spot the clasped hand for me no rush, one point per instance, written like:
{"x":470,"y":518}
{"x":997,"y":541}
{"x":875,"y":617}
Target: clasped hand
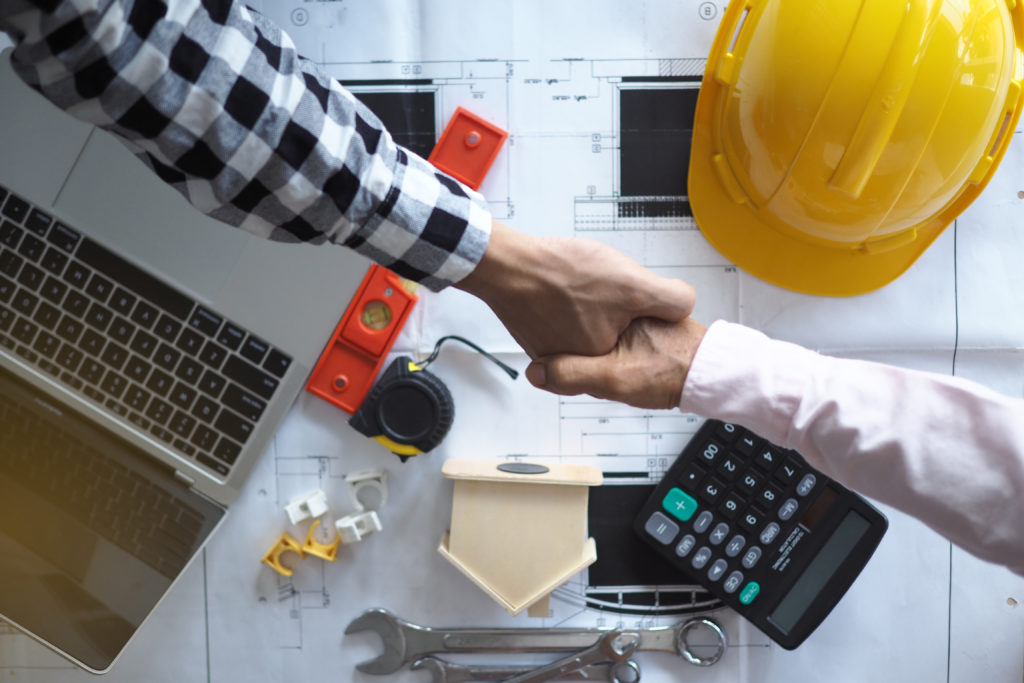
{"x":592,"y":319}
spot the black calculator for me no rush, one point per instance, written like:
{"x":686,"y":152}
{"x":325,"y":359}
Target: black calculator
{"x":760,"y":529}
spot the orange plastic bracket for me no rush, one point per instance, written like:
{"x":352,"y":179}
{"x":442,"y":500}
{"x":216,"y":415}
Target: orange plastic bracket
{"x":467,"y":147}
{"x":360,"y":343}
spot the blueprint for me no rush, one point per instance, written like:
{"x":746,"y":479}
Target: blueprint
{"x":579,"y":85}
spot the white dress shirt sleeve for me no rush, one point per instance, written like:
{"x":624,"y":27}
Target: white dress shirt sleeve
{"x":945,"y":450}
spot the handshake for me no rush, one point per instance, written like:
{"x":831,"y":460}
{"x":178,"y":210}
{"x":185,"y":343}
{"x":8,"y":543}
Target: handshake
{"x":593,"y":320}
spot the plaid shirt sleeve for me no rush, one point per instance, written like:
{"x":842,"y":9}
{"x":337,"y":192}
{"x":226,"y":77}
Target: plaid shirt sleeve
{"x":216,"y":100}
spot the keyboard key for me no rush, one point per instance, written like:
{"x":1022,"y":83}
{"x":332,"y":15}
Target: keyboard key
{"x":115,"y":407}
{"x":144,"y":315}
{"x":7,"y":288}
{"x":751,"y":557}
{"x":767,"y":459}
{"x":46,"y":344}
{"x":63,"y":237}
{"x":254,"y":349}
{"x":121,"y":330}
{"x":99,"y":287}
{"x":677,"y":503}
{"x":115,"y":355}
{"x":277,"y":363}
{"x":752,"y":520}
{"x":143,"y":343}
{"x":182,"y":424}
{"x":27,"y":353}
{"x":231,"y":336}
{"x":703,"y":521}
{"x":735,"y":545}
{"x":204,"y":438}
{"x":137,"y":369}
{"x":47,"y":315}
{"x":190,"y":342}
{"x":16,"y":208}
{"x":249,"y":406}
{"x":205,"y":321}
{"x":212,"y":383}
{"x":182,"y":396}
{"x":167,"y":328}
{"x":252,"y":378}
{"x":99,"y":316}
{"x":159,"y":411}
{"x":70,"y":328}
{"x":185,"y":447}
{"x":10,"y":234}
{"x":91,"y":371}
{"x":159,"y":382}
{"x":76,"y":303}
{"x":114,"y":384}
{"x":77,"y":275}
{"x":787,"y":472}
{"x":166,"y":357}
{"x":10,"y":263}
{"x":717,"y":570}
{"x":32,"y":248}
{"x":136,"y":398}
{"x":205,"y":409}
{"x":711,"y":490}
{"x":218,"y":467}
{"x":69,"y":357}
{"x":189,"y":370}
{"x":25,"y":302}
{"x":71,"y":381}
{"x":54,"y":261}
{"x":122,"y":301}
{"x":38,"y":222}
{"x":53,"y":290}
{"x":234,"y":426}
{"x":31,"y":277}
{"x":213,"y":354}
{"x":161,"y":433}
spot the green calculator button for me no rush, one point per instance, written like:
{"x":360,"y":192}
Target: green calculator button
{"x":679,"y":505}
{"x":749,"y":592}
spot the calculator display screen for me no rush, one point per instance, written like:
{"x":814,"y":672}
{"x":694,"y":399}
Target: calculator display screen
{"x":825,"y":564}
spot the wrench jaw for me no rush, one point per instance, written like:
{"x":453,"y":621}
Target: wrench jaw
{"x":433,"y":667}
{"x":386,"y":625}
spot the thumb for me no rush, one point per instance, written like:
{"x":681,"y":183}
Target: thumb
{"x":669,"y":299}
{"x":570,"y":375}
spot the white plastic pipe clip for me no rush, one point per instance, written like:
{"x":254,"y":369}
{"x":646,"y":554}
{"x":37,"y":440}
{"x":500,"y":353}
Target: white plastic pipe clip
{"x":310,"y":505}
{"x":356,"y":526}
{"x":376,"y":479}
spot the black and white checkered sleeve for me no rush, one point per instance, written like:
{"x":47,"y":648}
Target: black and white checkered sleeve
{"x":215,"y":98}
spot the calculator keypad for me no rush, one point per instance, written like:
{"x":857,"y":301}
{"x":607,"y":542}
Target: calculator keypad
{"x":727,"y":506}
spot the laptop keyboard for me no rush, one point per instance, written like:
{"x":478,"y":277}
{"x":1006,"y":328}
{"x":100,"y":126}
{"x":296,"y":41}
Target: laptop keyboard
{"x":114,"y":501}
{"x":139,"y":348}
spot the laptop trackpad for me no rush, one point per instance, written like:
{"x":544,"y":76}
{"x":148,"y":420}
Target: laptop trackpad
{"x":123,"y":203}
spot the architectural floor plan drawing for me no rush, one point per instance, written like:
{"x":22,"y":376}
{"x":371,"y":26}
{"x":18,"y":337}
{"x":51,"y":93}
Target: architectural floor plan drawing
{"x":598,"y":98}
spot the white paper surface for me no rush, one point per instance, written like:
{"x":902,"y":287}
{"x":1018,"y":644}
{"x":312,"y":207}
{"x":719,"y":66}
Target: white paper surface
{"x":551,"y":73}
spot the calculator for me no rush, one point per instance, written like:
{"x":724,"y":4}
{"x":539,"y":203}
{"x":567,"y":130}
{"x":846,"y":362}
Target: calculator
{"x":753,"y":523}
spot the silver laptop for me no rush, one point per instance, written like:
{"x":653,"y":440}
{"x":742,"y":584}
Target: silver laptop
{"x":147,"y":355}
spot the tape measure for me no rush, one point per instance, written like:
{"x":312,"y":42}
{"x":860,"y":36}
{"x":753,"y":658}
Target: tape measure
{"x":409,"y":410}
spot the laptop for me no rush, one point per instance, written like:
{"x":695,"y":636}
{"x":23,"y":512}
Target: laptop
{"x":147,"y":355}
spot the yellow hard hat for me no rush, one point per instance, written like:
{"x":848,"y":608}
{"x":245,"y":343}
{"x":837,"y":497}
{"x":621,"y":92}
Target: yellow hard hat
{"x":835,"y":139}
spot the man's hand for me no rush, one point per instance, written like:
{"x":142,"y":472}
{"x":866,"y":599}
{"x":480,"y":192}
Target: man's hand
{"x":568,"y":295}
{"x":646,"y":369}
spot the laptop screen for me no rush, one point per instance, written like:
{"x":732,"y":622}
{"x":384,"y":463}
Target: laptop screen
{"x":92,"y":531}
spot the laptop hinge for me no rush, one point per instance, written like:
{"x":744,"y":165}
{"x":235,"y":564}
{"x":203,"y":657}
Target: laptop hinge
{"x":184,"y":478}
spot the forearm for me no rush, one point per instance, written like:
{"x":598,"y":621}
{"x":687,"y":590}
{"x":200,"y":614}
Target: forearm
{"x":227,"y":112}
{"x":946,"y":451}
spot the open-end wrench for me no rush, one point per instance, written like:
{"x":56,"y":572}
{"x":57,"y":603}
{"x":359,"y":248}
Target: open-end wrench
{"x":404,"y":641}
{"x":443,"y":671}
{"x":614,"y":646}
